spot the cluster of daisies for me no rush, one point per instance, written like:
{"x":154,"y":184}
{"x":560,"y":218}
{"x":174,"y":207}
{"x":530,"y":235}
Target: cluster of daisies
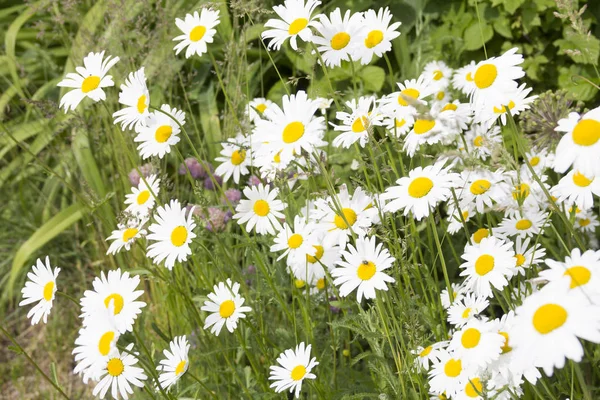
{"x":456,"y":115}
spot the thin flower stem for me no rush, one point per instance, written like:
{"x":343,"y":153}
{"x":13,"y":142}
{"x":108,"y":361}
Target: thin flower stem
{"x":63,"y":294}
{"x":442,"y":259}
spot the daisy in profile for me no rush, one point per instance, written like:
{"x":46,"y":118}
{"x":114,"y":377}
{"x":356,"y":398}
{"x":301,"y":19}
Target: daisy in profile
{"x":377,"y":37}
{"x":235,"y":160}
{"x":422,"y":190}
{"x":587,"y":221}
{"x":550,"y":323}
{"x":126,"y":234}
{"x":257,"y":107}
{"x":136,"y":97}
{"x":296,"y":20}
{"x":172,"y":234}
{"x":295,"y":365}
{"x":488,"y":265}
{"x":119,"y":373}
{"x":526,"y":255}
{"x":362,"y":268}
{"x":462,"y":79}
{"x":88,"y":81}
{"x":160,"y":132}
{"x":448,"y":375}
{"x":175,"y":363}
{"x":339,"y":37}
{"x":141,"y":200}
{"x":458,"y":292}
{"x":481,"y":141}
{"x":40,"y":288}
{"x":225,"y":306}
{"x":261,"y":210}
{"x":354,"y":214}
{"x":481,"y":187}
{"x":438,"y":73}
{"x":115,"y":291}
{"x":465,"y":308}
{"x":580,"y":144}
{"x":577,"y":188}
{"x":526,"y":224}
{"x":582,"y":270}
{"x":356,"y":124}
{"x":298,"y":242}
{"x":477,"y":343}
{"x":496,"y":76}
{"x":514,"y":101}
{"x":198,"y":30}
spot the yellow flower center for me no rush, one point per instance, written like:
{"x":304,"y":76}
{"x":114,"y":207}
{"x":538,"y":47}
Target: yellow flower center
{"x":535,"y":160}
{"x":295,"y":241}
{"x":581,"y":180}
{"x":298,"y":372}
{"x":340,"y":40}
{"x":520,"y":259}
{"x":399,"y":123}
{"x":469,"y":77}
{"x":478,"y":141}
{"x":505,"y":108}
{"x":163,"y":133}
{"x":104,"y":343}
{"x":480,"y":234}
{"x":411,"y":93}
{"x":523,"y":224}
{"x":549,"y":317}
{"x":425,"y":351}
{"x":484,"y":264}
{"x":579,"y":275}
{"x":180,"y":367}
{"x":297,"y":25}
{"x":349,"y":216}
{"x":420,"y":187}
{"x":437,"y":75}
{"x":261,"y":208}
{"x":261,"y":108}
{"x":143,"y":197}
{"x":141,"y":104}
{"x":505,"y":347}
{"x":197,"y":33}
{"x":129,"y":234}
{"x":90,"y":83}
{"x":440,"y":95}
{"x":292,"y":132}
{"x":226,"y":308}
{"x":584,"y":222}
{"x":299,"y":283}
{"x":474,"y":388}
{"x":360,"y":124}
{"x":470,"y":338}
{"x":480,"y":186}
{"x":366,"y":270}
{"x":277,"y":157}
{"x":466,"y":313}
{"x":238,"y":157}
{"x":521,"y":191}
{"x":318,"y":254}
{"x":321,"y":284}
{"x":117,"y":300}
{"x":115,"y":367}
{"x":423,"y":126}
{"x":450,"y":106}
{"x":453,"y":368}
{"x":48,"y":290}
{"x":179,"y":236}
{"x":586,"y":132}
{"x":373,"y":38}
{"x":485,"y":76}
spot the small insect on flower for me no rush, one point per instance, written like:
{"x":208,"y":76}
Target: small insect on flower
{"x":172,"y":233}
{"x":377,"y":38}
{"x":142,"y":198}
{"x":119,"y":373}
{"x":262,"y":210}
{"x":126,"y":235}
{"x":115,"y":291}
{"x":295,"y":366}
{"x":226,"y":307}
{"x":40,"y":287}
{"x":296,"y":20}
{"x":362,"y":267}
{"x":339,"y":37}
{"x":160,"y":131}
{"x":88,"y":81}
{"x":135,"y":95}
{"x":197,"y":32}
{"x":176,"y":362}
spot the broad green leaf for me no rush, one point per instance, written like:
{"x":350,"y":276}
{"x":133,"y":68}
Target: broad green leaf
{"x":578,"y":88}
{"x":476,"y":35}
{"x":582,"y":49}
{"x":373,"y":78}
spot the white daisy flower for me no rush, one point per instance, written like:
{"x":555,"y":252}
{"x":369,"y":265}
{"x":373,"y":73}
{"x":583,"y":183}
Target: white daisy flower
{"x":175,"y":363}
{"x":88,"y":81}
{"x":377,"y":36}
{"x":426,"y":356}
{"x":426,"y":130}
{"x":141,"y":200}
{"x":295,"y":366}
{"x":41,"y":288}
{"x":549,"y":325}
{"x":479,"y":235}
{"x":312,"y":269}
{"x":481,"y":187}
{"x":523,"y":193}
{"x":456,"y":216}
{"x":356,"y":124}
{"x":226,"y":307}
{"x":197,"y":32}
{"x":488,"y":265}
{"x":117,"y":292}
{"x":587,"y":221}
{"x":236,"y":159}
{"x":448,"y":375}
{"x":257,"y":107}
{"x":515,"y":101}
{"x":465,"y":308}
{"x":126,"y":235}
{"x":160,"y":131}
{"x":539,"y":159}
{"x":362,"y":267}
{"x":399,"y":121}
{"x":473,"y":389}
{"x":581,"y":269}
{"x":172,"y":233}
{"x":481,"y":141}
{"x":529,"y":223}
{"x":439,"y":74}
{"x":422,"y":190}
{"x":477,"y":343}
{"x":463,"y":78}
{"x":527,"y":256}
{"x":455,"y":116}
{"x":339,"y":37}
{"x":261,"y":209}
{"x":118,"y":374}
{"x":136,"y":97}
{"x":412,"y":93}
{"x":298,"y":242}
{"x":296,"y":20}
{"x":580,"y":145}
{"x":458,"y":292}
{"x":577,"y":188}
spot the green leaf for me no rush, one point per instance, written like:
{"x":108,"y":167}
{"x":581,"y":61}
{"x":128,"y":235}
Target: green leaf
{"x":502,"y":26}
{"x":577,"y":87}
{"x":475,"y":36}
{"x":581,"y":48}
{"x":512,"y":5}
{"x":373,"y":77}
